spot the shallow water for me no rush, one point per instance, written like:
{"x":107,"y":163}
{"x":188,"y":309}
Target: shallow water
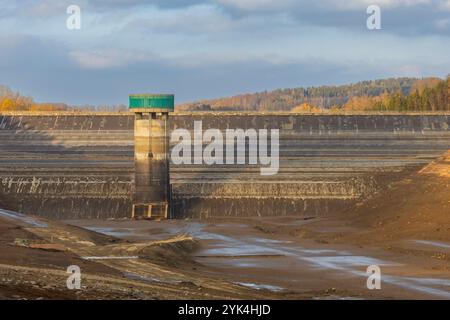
{"x":22,"y":217}
{"x":260,"y":286}
{"x":261,"y":262}
{"x":434,"y":243}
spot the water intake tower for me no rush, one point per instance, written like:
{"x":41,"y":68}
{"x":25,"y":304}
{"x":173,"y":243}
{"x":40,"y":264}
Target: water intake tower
{"x":152,"y":192}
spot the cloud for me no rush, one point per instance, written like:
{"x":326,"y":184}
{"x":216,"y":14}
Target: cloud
{"x":384,"y":4}
{"x":30,"y":54}
{"x":34,"y":9}
{"x":44,"y":9}
{"x":208,"y":48}
{"x":405,"y":17}
{"x":445,"y":4}
{"x":260,"y":5}
{"x":203,"y":16}
{"x":108,"y":77}
{"x":200,"y":19}
{"x":103,"y":59}
{"x":104,"y":4}
{"x":443,"y":24}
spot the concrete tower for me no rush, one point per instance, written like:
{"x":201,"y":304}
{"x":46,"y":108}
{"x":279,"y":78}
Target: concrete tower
{"x":151,"y":155}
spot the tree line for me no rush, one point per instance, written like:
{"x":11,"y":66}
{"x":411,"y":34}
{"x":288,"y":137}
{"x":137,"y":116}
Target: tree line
{"x":435,"y":98}
{"x":395,"y":94}
{"x":14,"y":101}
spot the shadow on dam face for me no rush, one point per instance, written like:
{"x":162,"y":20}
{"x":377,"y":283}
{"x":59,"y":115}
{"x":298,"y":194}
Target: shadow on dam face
{"x":65,"y":166}
{"x":80,"y":165}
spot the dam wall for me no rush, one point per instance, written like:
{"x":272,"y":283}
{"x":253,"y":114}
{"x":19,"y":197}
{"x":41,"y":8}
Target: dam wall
{"x":80,"y":165}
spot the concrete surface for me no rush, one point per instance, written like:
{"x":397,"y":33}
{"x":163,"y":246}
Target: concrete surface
{"x":76,"y":165}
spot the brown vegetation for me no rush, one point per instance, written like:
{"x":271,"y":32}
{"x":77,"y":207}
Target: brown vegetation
{"x":401,"y":94}
{"x":13,"y":101}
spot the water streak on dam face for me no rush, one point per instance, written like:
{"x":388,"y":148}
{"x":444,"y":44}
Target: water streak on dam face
{"x":63,"y":165}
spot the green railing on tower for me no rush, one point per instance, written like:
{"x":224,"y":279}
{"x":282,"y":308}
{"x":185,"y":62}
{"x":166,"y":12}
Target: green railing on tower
{"x":153,"y":101}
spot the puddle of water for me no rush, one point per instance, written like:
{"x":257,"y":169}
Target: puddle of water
{"x":260,"y":286}
{"x":134,"y":276}
{"x":433,"y":243}
{"x":212,"y":236}
{"x":22,"y":217}
{"x":111,"y":258}
{"x":335,"y":297}
{"x":245,"y":262}
{"x":319,"y":251}
{"x":131,"y":233}
{"x":432,"y":281}
{"x":343,"y":262}
{"x":265,"y":240}
{"x":238,"y":252}
{"x":425,"y":285}
{"x":430,"y":286}
{"x":112,"y":231}
{"x":334,"y":260}
{"x":232,"y":225}
{"x":242,"y":250}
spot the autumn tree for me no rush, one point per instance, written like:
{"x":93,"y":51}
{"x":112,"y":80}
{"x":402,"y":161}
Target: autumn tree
{"x":306,"y":108}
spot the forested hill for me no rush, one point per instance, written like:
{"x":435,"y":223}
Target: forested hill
{"x":322,"y":97}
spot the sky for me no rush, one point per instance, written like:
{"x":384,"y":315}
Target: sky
{"x":200,"y":49}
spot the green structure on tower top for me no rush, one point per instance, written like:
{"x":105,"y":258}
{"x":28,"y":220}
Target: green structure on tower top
{"x":152,"y":102}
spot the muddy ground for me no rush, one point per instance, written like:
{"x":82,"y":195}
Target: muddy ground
{"x":404,"y":229}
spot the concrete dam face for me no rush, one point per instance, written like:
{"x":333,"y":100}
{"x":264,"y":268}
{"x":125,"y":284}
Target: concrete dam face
{"x":81,"y":165}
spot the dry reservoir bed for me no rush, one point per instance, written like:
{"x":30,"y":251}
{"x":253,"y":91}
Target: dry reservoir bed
{"x":352,"y":191}
{"x":405,"y":230}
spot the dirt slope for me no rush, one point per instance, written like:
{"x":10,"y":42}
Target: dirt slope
{"x":416,"y":207}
